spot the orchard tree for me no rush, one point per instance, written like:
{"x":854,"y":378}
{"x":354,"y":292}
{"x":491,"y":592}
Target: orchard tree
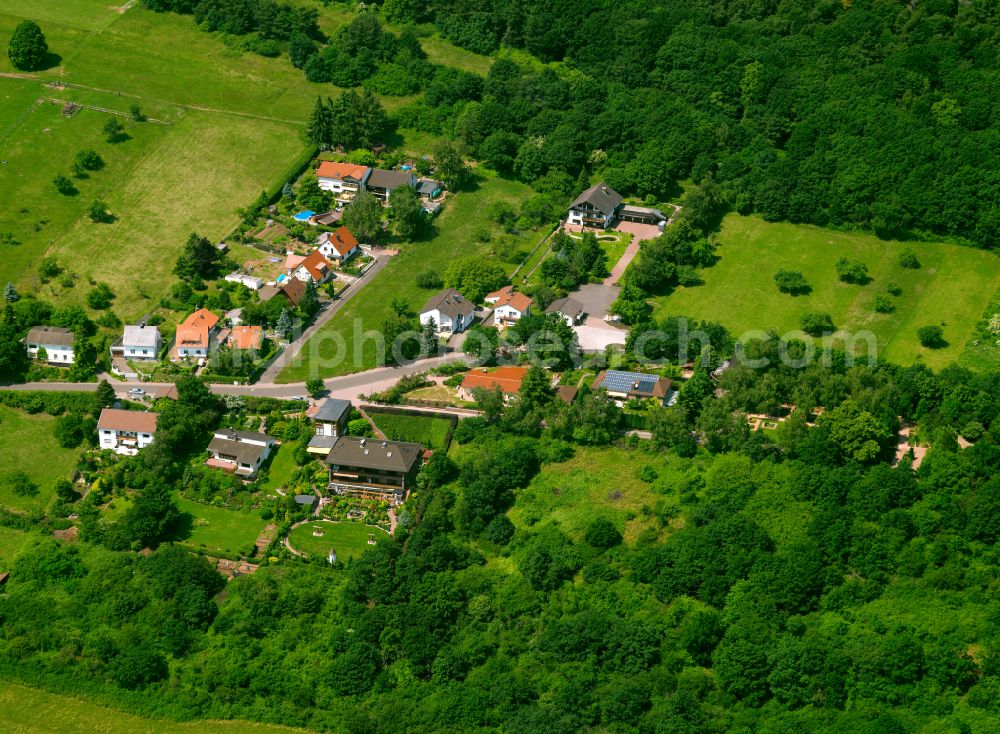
{"x":64,"y":185}
{"x":816,"y":323}
{"x":114,"y":131}
{"x":27,"y":49}
{"x":98,"y":212}
{"x":407,"y":212}
{"x":931,"y":336}
{"x":363,"y":216}
{"x":791,"y":282}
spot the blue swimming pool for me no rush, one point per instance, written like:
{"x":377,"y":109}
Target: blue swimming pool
{"x":304,"y":216}
{"x":281,"y":279}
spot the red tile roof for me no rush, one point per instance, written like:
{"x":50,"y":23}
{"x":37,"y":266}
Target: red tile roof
{"x":507,"y":378}
{"x":340,"y":171}
{"x":194,"y":330}
{"x":246,"y":337}
{"x":342,"y":240}
{"x":136,"y":421}
{"x":317,"y":265}
{"x":507,"y":296}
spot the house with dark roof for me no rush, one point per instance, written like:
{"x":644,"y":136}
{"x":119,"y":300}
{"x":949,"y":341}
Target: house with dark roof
{"x":373,"y":469}
{"x":450,"y":311}
{"x":343,"y":180}
{"x":125,"y":431}
{"x":292,"y":289}
{"x":596,"y":207}
{"x":623,"y":385}
{"x":239,"y":452}
{"x":382,"y":183}
{"x":338,"y":246}
{"x":570,"y":310}
{"x":329,"y":420}
{"x":55,"y":340}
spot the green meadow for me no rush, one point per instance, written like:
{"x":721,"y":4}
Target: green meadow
{"x":218,"y":531}
{"x":28,"y":444}
{"x":952,"y":288}
{"x":349,"y":539}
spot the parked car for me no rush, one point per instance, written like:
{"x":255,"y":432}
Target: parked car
{"x":303,"y":398}
{"x":136,"y":392}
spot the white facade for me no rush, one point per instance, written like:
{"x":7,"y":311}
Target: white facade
{"x":330,"y":252}
{"x":247,"y":281}
{"x":446,"y":323}
{"x":139,"y":343}
{"x":339,"y":187}
{"x":56,"y":353}
{"x":508,"y":313}
{"x":585,"y":215}
{"x":192,"y":351}
{"x":124,"y":442}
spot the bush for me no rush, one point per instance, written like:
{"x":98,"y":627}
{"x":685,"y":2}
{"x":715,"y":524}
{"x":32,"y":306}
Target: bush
{"x":908,"y":259}
{"x":602,"y":533}
{"x":893,"y":289}
{"x":430,"y":279}
{"x":816,"y":323}
{"x":789,"y":281}
{"x":500,"y":530}
{"x":884,"y":304}
{"x":931,"y":336}
{"x":852,"y":271}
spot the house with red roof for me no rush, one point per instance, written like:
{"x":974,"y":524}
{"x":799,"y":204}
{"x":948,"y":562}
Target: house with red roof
{"x":509,"y":306}
{"x":508,"y":379}
{"x":338,"y":246}
{"x":343,"y":180}
{"x":246,"y":337}
{"x":194,"y":334}
{"x":314,"y":267}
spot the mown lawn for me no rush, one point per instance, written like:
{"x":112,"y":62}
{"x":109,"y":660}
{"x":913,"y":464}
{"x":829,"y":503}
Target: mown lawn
{"x":453,"y":239}
{"x":600,"y":482}
{"x":27,"y":443}
{"x":26,"y":710}
{"x":282,"y":467}
{"x":226,"y":531}
{"x":349,"y":539}
{"x":428,"y":431}
{"x":951,"y":289}
{"x":10,"y":543}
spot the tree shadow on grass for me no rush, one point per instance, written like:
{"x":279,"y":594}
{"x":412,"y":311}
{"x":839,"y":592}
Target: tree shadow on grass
{"x":184,"y":526}
{"x":49,"y":61}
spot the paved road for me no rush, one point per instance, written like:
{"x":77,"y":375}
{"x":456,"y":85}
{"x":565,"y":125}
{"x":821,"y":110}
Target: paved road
{"x":271,"y":373}
{"x":348,"y":387}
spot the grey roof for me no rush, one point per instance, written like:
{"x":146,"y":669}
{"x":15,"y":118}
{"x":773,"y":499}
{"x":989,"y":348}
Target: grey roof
{"x":306,"y":499}
{"x":140,"y":335}
{"x":634,"y":382}
{"x":332,"y":409}
{"x":643,"y":210}
{"x":245,"y":453}
{"x":451,"y":303}
{"x":55,"y":336}
{"x":382,"y":179}
{"x":322,"y":442}
{"x":245,"y":435}
{"x":429,"y":186}
{"x":602,"y":197}
{"x":566,"y":306}
{"x":394,"y":456}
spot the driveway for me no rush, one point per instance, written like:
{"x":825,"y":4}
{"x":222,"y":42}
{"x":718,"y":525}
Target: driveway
{"x":596,"y":299}
{"x":596,"y":334}
{"x":325,"y":315}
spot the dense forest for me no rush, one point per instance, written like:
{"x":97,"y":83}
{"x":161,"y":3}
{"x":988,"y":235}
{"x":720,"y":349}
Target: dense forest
{"x":794,"y":583}
{"x":877,"y":114}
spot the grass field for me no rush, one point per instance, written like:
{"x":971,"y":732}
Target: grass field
{"x":596,"y":482}
{"x":282,"y":467}
{"x":26,"y":710}
{"x":952,"y":287}
{"x":27,"y":443}
{"x":324,"y":356}
{"x":349,"y":539}
{"x":428,"y":431}
{"x":227,"y":531}
{"x":10,"y":543}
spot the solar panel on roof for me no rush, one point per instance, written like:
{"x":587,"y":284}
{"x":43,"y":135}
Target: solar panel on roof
{"x":616,"y":381}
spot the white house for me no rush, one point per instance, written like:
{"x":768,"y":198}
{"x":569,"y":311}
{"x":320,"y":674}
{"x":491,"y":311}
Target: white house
{"x":125,"y":431}
{"x":596,"y":207}
{"x":449,"y":310}
{"x":55,"y":340}
{"x":314,"y":267}
{"x":509,"y":306}
{"x":571,"y":311}
{"x":329,"y":421}
{"x":240,"y":452}
{"x":194,"y":334}
{"x":338,"y":246}
{"x":344,"y":180}
{"x":138,"y":342}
